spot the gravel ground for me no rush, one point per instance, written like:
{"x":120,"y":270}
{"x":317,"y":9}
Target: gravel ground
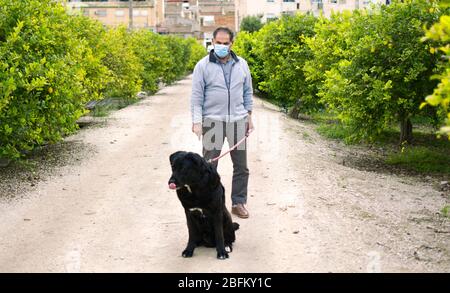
{"x":99,"y":202}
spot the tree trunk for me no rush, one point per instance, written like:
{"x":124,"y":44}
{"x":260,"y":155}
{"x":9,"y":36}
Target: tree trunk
{"x":295,"y":111}
{"x":405,"y":131}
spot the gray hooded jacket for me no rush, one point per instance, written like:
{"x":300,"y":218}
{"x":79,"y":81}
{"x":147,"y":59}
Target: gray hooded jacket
{"x":212,"y":97}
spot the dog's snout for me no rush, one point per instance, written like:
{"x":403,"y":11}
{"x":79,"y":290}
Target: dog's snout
{"x":172,"y":183}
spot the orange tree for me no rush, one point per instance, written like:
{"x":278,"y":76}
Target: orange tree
{"x":52,"y":63}
{"x":384,"y":71}
{"x":244,"y":46}
{"x":281,"y":47}
{"x":43,"y":73}
{"x":440,"y":32}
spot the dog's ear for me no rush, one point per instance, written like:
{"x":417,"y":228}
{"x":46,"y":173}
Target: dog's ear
{"x":174,"y":156}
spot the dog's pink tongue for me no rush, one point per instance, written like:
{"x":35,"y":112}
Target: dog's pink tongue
{"x":172,"y":186}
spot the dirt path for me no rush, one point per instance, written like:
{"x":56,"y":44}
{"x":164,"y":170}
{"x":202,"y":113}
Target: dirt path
{"x":113,"y":212}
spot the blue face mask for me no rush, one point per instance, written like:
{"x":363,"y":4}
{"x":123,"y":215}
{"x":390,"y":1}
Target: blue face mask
{"x":221,"y":51}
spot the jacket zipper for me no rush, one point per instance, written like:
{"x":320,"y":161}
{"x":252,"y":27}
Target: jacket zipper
{"x":228,"y":84}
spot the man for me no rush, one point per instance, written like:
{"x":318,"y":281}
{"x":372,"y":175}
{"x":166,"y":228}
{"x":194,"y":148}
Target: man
{"x":221,"y":106}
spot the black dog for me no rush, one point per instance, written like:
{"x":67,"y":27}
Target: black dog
{"x":202,"y":195}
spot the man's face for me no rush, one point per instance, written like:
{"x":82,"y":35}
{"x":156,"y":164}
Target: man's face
{"x":222,"y":38}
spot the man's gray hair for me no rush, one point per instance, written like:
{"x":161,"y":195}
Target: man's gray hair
{"x":224,"y":30}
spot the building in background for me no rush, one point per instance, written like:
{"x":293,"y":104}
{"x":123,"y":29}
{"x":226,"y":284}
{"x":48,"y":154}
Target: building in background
{"x":198,"y":18}
{"x":146,"y":13}
{"x":181,"y":18}
{"x":272,"y":9}
{"x":266,"y":9}
{"x":215,"y":13}
{"x":327,"y":6}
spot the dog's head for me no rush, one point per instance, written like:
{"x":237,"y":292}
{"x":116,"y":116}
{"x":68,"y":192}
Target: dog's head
{"x":190,"y":169}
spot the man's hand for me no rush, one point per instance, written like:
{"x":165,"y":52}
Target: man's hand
{"x":197,"y":129}
{"x":250,"y":126}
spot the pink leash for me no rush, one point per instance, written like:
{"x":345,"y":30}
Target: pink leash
{"x":232,"y":148}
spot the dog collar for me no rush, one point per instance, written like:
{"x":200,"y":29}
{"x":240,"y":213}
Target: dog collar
{"x":187,"y":186}
{"x":196,"y":209}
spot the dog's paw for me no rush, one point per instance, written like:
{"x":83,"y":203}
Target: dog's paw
{"x":222,"y":254}
{"x":187,"y":253}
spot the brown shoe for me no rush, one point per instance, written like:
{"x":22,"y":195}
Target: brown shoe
{"x":240,"y":211}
